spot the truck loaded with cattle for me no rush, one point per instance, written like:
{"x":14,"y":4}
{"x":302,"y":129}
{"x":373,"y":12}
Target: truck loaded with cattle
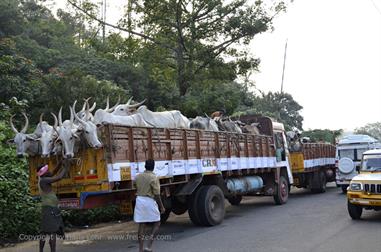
{"x":200,"y":162}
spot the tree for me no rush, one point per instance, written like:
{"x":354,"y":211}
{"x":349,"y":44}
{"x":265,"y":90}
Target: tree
{"x":193,"y":34}
{"x":323,"y":135}
{"x":371,"y":129}
{"x":280,"y":106}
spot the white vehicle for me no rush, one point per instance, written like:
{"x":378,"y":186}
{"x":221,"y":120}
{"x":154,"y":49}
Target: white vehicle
{"x":349,"y":151}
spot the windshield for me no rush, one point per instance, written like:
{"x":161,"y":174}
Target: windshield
{"x":371,"y":163}
{"x":353,"y":154}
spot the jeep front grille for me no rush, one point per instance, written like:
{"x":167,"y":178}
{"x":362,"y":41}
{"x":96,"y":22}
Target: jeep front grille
{"x":372,"y":188}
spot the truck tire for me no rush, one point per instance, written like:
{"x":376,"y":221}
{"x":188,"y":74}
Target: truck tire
{"x":164,"y":217}
{"x":179,"y":208}
{"x":235,"y":200}
{"x":344,"y":188}
{"x":211,"y":205}
{"x":193,"y":208}
{"x":281,"y":191}
{"x":354,"y":211}
{"x":320,"y":184}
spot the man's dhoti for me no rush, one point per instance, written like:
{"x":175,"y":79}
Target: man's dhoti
{"x":146,"y":210}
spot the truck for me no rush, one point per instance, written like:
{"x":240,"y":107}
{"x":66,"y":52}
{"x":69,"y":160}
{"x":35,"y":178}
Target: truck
{"x":364,"y":191}
{"x":197,"y":169}
{"x":313,"y":166}
{"x":349,"y":151}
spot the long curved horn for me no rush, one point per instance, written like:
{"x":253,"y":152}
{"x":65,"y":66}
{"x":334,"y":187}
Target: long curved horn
{"x":55,"y":122}
{"x":93,"y":107}
{"x":107,"y":103}
{"x":112,"y":109}
{"x":26,"y":123}
{"x":84,"y":104}
{"x":60,"y":117}
{"x":129,"y":101}
{"x":76,"y":116}
{"x":137,"y":104}
{"x":12,"y":125}
{"x":41,"y":117}
{"x":71,"y":115}
{"x":87,"y":112}
{"x":74,"y":104}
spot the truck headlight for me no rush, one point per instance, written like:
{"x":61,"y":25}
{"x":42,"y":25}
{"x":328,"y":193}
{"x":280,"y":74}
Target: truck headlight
{"x":356,"y":186}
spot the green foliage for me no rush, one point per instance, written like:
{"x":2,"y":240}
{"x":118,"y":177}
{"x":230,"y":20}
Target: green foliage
{"x":320,"y":135}
{"x":371,"y":129}
{"x":280,"y":106}
{"x":18,"y":211}
{"x":92,"y":216}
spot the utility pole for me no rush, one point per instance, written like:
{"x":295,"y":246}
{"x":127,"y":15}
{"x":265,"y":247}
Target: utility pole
{"x":284,"y":65}
{"x":104,"y":20}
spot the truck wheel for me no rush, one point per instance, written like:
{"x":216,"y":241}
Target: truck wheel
{"x":179,"y":208}
{"x":236,"y":200}
{"x":344,"y":188}
{"x":320,"y":182}
{"x":164,"y":217}
{"x":281,"y":191}
{"x":211,"y":205}
{"x":354,"y":211}
{"x":193,"y":208}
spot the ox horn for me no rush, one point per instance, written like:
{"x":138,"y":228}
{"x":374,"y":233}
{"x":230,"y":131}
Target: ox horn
{"x":41,"y":117}
{"x":26,"y":123}
{"x":55,"y":122}
{"x":84,"y":104}
{"x":107,"y":103}
{"x":112,"y":109}
{"x":93,"y":107}
{"x":60,"y":117}
{"x":12,"y":125}
{"x":129,"y":101}
{"x":137,"y":104}
{"x":76,"y":116}
{"x":71,"y":115}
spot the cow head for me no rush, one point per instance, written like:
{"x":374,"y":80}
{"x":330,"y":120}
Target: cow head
{"x":101,"y":113}
{"x":128,"y":108}
{"x":82,"y":113}
{"x":46,"y":139}
{"x":88,"y":128}
{"x":67,"y":133}
{"x":21,"y":139}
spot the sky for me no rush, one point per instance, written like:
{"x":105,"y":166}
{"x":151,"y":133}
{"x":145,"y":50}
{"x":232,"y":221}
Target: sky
{"x":333,"y":59}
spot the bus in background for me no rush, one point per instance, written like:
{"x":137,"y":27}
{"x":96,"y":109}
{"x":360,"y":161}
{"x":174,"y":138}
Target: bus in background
{"x":349,"y":151}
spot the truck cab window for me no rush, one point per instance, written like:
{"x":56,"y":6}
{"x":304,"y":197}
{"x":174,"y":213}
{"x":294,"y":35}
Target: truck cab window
{"x":279,"y":147}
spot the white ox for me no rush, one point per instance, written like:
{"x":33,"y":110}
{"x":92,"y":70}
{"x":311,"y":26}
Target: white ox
{"x":127,"y":109}
{"x":103,"y":116}
{"x":25,"y":143}
{"x":87,"y":127}
{"x":165,"y":119}
{"x":46,"y":138}
{"x":204,"y":123}
{"x":67,"y":133}
{"x":83,"y":113}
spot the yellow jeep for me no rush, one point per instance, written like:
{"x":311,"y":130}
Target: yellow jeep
{"x":364,"y":191}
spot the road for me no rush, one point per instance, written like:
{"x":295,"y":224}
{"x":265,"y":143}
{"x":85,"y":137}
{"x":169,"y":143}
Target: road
{"x":307,"y":223}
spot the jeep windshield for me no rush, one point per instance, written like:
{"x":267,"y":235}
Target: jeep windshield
{"x":371,"y":163}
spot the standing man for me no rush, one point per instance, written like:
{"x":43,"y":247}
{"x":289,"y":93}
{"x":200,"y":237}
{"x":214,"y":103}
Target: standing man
{"x":147,"y":204}
{"x":51,"y":219}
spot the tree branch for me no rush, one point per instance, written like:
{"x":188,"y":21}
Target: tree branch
{"x":121,"y":28}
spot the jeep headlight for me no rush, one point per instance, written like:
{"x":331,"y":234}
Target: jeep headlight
{"x":356,"y":186}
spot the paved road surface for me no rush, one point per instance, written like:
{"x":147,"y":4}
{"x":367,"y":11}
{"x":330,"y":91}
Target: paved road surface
{"x":307,"y":223}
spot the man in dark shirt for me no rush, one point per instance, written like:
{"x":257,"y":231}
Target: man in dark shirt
{"x":147,"y":204}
